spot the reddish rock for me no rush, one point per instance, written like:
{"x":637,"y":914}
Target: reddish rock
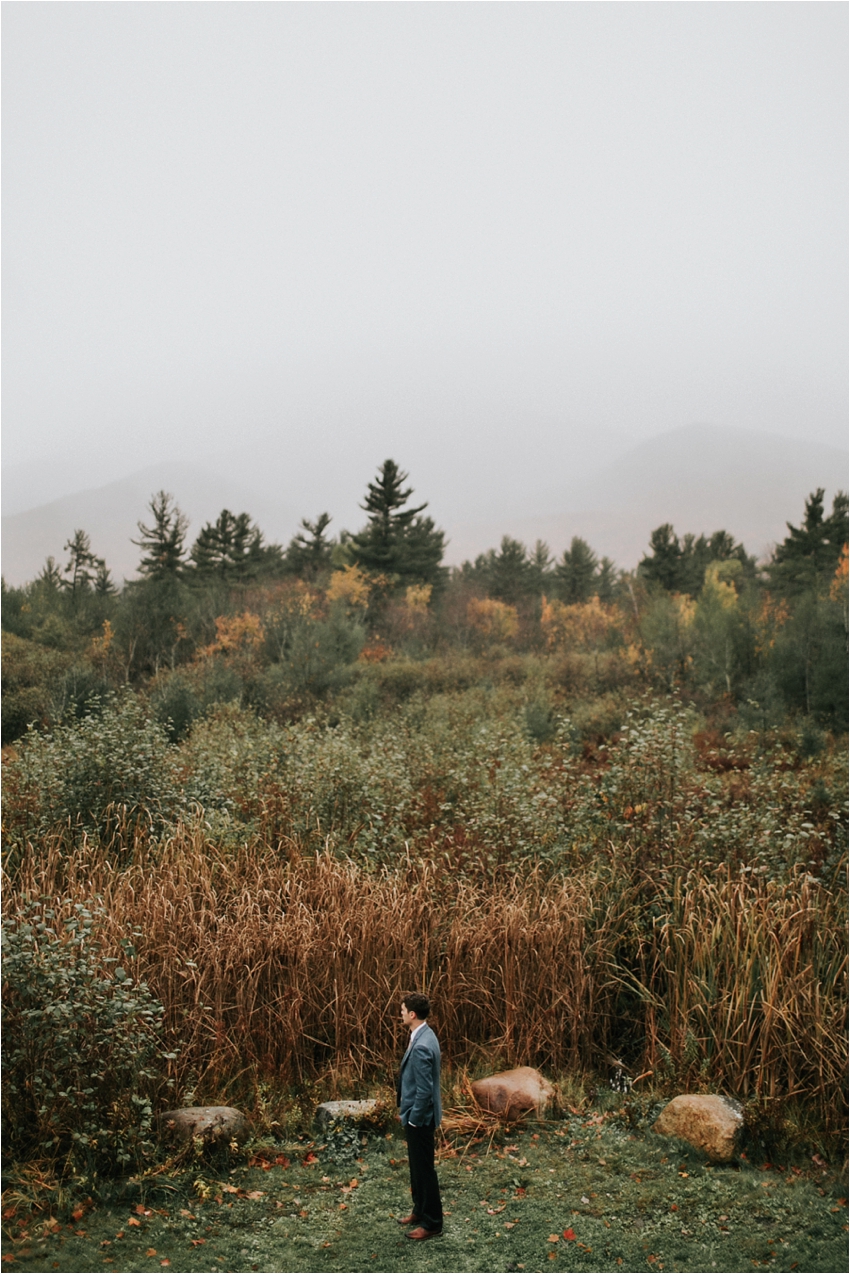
{"x":213,"y":1123}
{"x":513,"y":1093}
{"x":711,"y":1124}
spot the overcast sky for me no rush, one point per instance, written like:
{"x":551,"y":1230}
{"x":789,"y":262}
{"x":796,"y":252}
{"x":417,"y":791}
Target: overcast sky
{"x":432,"y":231}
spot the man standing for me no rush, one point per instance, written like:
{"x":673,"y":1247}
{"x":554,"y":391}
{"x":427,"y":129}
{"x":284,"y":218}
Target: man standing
{"x":420,"y":1111}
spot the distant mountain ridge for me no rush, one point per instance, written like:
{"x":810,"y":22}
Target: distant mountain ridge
{"x":698,"y":477}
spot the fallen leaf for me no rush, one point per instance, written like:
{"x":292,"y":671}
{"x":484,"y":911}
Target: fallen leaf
{"x":198,"y":1242}
{"x":674,"y":1207}
{"x":553,"y":1238}
{"x":569,"y":1234}
{"x":552,"y":1256}
{"x":151,"y":1251}
{"x":76,"y":1215}
{"x":585,"y":1199}
{"x":132,"y":1221}
{"x":255,"y":1194}
{"x":229,"y":1189}
{"x":185,"y":1212}
{"x":309,"y":1159}
{"x":141,"y":1210}
{"x":343,"y":1206}
{"x":165,"y":1261}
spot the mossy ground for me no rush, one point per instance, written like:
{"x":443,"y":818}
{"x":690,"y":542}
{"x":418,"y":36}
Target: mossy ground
{"x":585,"y":1193}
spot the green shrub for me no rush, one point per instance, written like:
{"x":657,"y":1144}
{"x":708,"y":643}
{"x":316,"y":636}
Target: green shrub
{"x":113,"y":766}
{"x":80,"y":1043}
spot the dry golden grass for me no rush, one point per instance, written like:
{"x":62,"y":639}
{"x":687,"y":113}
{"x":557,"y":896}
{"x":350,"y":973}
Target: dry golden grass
{"x":283,"y":965}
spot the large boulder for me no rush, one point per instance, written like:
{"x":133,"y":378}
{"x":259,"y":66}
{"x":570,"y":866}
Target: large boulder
{"x":212,"y":1123}
{"x":331,"y":1112}
{"x":512,"y":1094}
{"x":709,"y":1123}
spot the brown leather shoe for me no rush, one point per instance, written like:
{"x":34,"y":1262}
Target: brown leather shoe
{"x":421,"y":1233}
{"x":407,"y":1220}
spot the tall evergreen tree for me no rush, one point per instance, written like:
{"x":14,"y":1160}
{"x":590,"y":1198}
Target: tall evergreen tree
{"x":308,"y":553}
{"x":663,"y":565}
{"x":606,"y":580}
{"x":232,"y":549}
{"x":510,"y":572}
{"x":540,"y":562}
{"x":809,"y":553}
{"x":576,"y":571}
{"x":163,"y":543}
{"x":82,"y":564}
{"x":396,"y":541}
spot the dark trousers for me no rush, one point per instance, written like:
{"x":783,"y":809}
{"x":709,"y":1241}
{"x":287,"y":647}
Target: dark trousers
{"x":424,"y":1186}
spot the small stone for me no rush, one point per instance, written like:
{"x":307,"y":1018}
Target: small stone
{"x":709,"y":1123}
{"x":513,"y":1093}
{"x":212,"y":1123}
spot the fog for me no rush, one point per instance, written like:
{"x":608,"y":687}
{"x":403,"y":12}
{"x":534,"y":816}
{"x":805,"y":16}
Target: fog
{"x":500,"y":243}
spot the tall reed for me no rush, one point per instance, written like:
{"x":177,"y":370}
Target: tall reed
{"x":283,"y":964}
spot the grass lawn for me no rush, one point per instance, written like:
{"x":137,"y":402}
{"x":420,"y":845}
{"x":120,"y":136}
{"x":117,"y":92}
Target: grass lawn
{"x":587,"y":1193}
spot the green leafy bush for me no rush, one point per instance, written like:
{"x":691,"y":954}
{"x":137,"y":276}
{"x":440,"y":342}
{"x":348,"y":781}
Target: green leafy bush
{"x":114,"y":766}
{"x":80,"y":1043}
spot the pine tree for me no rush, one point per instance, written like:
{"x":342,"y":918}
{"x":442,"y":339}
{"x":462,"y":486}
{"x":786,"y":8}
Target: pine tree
{"x":510,"y":572}
{"x":163,"y":543}
{"x":82,"y":564}
{"x":576,"y":572}
{"x":308,"y":553}
{"x":664,"y":565}
{"x":809,"y":553}
{"x":396,"y":542}
{"x":232,"y":549}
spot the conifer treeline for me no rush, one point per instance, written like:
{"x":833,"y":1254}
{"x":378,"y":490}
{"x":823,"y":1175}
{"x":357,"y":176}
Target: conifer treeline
{"x":698,"y":612}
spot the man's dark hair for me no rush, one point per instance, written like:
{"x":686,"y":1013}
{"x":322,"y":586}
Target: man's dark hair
{"x":418,"y":1004}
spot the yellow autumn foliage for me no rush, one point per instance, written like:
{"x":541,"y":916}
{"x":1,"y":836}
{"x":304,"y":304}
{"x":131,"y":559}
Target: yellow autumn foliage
{"x":582,"y":625}
{"x":351,"y":586}
{"x":495,"y":621}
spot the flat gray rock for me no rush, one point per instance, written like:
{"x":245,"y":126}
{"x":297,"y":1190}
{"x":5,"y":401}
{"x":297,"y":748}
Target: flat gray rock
{"x":213,"y":1123}
{"x":331,"y":1111}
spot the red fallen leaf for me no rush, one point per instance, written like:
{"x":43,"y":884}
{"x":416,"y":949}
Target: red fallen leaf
{"x":569,"y":1234}
{"x":552,"y":1256}
{"x":197,"y":1242}
{"x":282,"y":1161}
{"x":674,"y":1207}
{"x":8,"y":1213}
{"x":8,"y":1256}
{"x":309,"y":1159}
{"x":141,"y":1210}
{"x":76,"y":1215}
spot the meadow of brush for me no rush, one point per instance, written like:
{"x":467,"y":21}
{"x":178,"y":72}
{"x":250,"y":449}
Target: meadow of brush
{"x":232,"y":918}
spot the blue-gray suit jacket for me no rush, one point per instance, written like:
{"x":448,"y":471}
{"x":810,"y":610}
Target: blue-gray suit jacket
{"x":419,"y":1081}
